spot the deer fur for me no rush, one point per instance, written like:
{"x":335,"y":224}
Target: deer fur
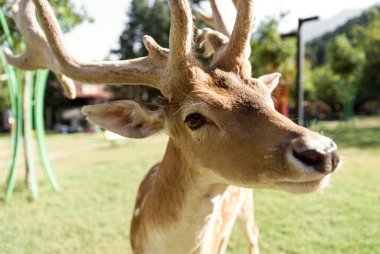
{"x":225,"y":137}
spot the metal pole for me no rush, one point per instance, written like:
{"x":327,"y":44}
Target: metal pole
{"x":300,"y":89}
{"x":31,"y":178}
{"x":17,"y":127}
{"x":16,"y":105}
{"x":300,"y":70}
{"x":39,"y":98}
{"x":16,"y":131}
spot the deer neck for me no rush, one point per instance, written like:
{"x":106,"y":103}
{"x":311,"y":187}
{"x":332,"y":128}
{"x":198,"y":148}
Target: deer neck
{"x":179,"y":185}
{"x":185,"y":204}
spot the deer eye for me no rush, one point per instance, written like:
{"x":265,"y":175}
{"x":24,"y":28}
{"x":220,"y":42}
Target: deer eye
{"x":195,"y":121}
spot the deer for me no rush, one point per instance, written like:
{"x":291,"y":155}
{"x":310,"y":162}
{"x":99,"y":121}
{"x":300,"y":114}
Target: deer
{"x":225,"y":137}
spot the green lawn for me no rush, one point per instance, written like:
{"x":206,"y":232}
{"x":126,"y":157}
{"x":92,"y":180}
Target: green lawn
{"x":99,"y":182}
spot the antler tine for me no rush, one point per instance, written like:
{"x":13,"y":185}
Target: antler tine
{"x":214,"y":41}
{"x":38,"y":54}
{"x":181,"y":35}
{"x":146,"y":70}
{"x":209,"y":20}
{"x":68,"y":85}
{"x":216,"y":20}
{"x":220,"y":23}
{"x":237,"y":51}
{"x":242,"y":31}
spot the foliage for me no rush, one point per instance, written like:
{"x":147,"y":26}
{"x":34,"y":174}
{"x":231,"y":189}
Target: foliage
{"x":100,"y":182}
{"x":327,"y":85}
{"x":144,"y":18}
{"x":345,"y":60}
{"x":368,"y":39}
{"x":270,"y":52}
{"x":353,"y":52}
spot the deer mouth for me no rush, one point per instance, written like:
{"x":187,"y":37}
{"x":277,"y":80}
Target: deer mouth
{"x":306,"y":186}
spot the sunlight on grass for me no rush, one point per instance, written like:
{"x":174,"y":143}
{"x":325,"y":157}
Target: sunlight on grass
{"x":100,"y":181}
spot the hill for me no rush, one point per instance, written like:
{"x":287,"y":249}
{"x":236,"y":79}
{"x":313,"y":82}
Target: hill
{"x":313,"y":30}
{"x":315,"y":49}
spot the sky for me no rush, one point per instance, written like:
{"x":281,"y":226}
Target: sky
{"x":93,"y":41}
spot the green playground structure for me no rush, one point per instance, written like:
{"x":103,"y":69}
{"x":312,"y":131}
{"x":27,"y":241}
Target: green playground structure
{"x":27,"y":93}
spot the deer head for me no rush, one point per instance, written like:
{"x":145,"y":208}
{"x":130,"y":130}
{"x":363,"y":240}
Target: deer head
{"x":221,"y":121}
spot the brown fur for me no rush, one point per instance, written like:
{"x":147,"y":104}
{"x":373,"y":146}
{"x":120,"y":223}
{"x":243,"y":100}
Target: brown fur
{"x":220,"y":153}
{"x":189,"y":202}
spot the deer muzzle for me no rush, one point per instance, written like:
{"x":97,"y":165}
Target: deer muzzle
{"x":317,"y":153}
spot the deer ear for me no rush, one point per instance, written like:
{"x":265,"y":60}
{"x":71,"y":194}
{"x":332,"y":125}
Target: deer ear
{"x":271,"y":80}
{"x":126,"y":118}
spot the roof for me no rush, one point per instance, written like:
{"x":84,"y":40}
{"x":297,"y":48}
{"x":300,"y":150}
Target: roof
{"x":89,"y":90}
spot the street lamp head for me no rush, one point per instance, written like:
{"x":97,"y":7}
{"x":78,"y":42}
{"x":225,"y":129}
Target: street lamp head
{"x":302,"y":20}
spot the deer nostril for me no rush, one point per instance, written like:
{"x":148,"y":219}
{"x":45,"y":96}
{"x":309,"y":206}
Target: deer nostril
{"x":315,"y":154}
{"x":311,"y":158}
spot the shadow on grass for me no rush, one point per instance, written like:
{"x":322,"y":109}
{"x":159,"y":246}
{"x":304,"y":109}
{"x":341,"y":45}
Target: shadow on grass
{"x":20,"y":188}
{"x":351,"y":136}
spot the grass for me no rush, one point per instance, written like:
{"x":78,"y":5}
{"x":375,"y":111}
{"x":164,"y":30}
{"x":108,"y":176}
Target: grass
{"x":99,"y":182}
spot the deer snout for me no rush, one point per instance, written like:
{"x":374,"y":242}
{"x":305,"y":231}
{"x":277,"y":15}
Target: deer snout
{"x":319,"y":153}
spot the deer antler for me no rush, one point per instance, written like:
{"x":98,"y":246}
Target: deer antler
{"x":162,"y":69}
{"x":216,"y":20}
{"x":213,"y":41}
{"x":230,"y":55}
{"x":38,"y":54}
{"x":181,"y":32}
{"x":47,"y":50}
{"x":236,"y":53}
{"x":181,"y":57}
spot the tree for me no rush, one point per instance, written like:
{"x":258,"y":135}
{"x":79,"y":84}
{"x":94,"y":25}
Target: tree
{"x":69,"y":16}
{"x":145,"y":17}
{"x":368,"y":39}
{"x":326,"y":85}
{"x":344,"y":58}
{"x":271,"y":53}
{"x":346,"y":61}
{"x":344,"y":51}
{"x":269,"y":50}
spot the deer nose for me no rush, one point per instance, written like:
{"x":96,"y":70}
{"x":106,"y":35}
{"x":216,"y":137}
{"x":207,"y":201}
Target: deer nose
{"x":322,"y":158}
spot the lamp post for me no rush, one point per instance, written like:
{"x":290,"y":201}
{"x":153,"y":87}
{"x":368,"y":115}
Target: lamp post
{"x":300,"y":70}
